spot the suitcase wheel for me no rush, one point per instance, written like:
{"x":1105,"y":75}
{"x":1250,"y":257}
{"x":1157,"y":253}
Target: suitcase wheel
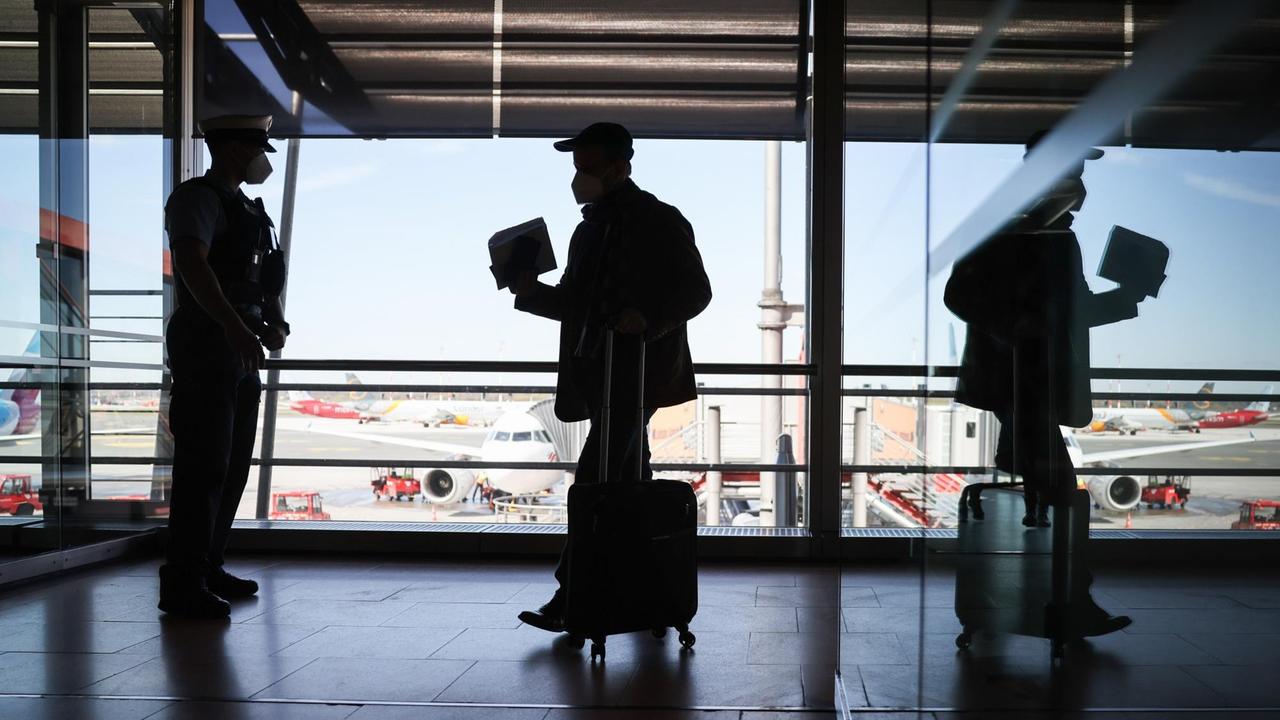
{"x":659,"y":632}
{"x":964,"y":640}
{"x":597,"y":649}
{"x":687,"y":639}
{"x":577,"y":642}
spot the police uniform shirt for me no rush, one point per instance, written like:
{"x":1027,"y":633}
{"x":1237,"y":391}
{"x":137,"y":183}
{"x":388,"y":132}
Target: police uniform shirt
{"x":195,"y":211}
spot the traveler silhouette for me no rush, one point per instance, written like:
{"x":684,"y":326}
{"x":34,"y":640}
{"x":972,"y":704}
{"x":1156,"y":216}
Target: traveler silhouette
{"x":1029,"y":310}
{"x":1023,"y":294}
{"x":632,"y":268}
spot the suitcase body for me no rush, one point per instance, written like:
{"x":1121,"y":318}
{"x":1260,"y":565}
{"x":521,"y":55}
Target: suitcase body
{"x":1011,"y":579}
{"x":632,"y":550}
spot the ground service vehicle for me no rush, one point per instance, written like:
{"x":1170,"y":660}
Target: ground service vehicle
{"x":297,"y":505}
{"x":17,"y":496}
{"x":395,"y":484}
{"x":1167,"y":491}
{"x":1258,"y":515}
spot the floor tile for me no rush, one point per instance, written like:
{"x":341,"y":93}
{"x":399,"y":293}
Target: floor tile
{"x":727,"y":595}
{"x":185,"y":638}
{"x":203,"y":678}
{"x":875,"y":648}
{"x":817,"y":648}
{"x":57,"y":673}
{"x":459,"y":615}
{"x":1150,"y":649}
{"x":76,"y":637}
{"x":331,"y":612}
{"x":339,"y":589}
{"x":820,"y":619}
{"x":900,"y":620}
{"x":451,"y":712}
{"x":78,"y":708}
{"x":471,"y":592}
{"x":565,"y":681}
{"x":718,"y":685}
{"x":799,"y":596}
{"x":763,"y":619}
{"x":633,"y":714}
{"x":253,"y":711}
{"x":371,"y":642}
{"x":855,"y":596}
{"x":369,"y":679}
{"x":1239,"y":649}
{"x":1223,"y":621}
{"x":1241,"y":686}
{"x":1207,"y":599}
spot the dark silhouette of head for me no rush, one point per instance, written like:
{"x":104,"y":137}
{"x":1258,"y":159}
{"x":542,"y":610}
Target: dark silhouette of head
{"x":602,"y":155}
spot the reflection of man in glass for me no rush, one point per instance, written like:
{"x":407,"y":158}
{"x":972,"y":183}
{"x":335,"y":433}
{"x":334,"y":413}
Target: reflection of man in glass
{"x":1029,"y":310}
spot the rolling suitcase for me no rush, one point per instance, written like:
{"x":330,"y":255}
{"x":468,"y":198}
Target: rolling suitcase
{"x":1024,"y":582}
{"x":632,"y":547}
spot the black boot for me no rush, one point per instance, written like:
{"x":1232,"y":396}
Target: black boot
{"x":184,"y":593}
{"x":229,"y":587}
{"x":549,"y":617}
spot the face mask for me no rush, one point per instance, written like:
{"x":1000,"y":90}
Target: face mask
{"x":258,"y":170}
{"x":586,"y":188}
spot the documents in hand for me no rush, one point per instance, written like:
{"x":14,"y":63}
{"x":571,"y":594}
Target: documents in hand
{"x":1134,"y":260}
{"x":526,"y":246}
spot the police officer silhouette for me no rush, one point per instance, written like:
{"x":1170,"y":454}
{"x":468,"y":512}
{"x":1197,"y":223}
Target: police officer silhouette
{"x":228,"y":275}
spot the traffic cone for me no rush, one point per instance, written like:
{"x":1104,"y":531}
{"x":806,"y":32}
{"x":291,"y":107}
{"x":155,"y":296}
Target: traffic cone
{"x":1128,"y":520}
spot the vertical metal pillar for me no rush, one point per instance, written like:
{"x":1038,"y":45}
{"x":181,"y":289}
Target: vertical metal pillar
{"x":772,"y":323}
{"x":63,"y":250}
{"x":714,"y":477}
{"x":826,"y":274}
{"x":270,"y":400}
{"x":861,"y":456}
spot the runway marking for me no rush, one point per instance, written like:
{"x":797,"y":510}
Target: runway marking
{"x":332,"y":449}
{"x":1226,"y":458}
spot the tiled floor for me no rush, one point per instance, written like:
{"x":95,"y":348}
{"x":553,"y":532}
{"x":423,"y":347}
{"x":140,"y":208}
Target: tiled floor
{"x":1201,"y":642}
{"x":439,"y":639}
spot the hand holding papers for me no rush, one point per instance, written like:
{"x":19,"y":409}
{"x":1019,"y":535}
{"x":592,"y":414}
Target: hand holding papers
{"x":1135,"y":261}
{"x":523,"y":248}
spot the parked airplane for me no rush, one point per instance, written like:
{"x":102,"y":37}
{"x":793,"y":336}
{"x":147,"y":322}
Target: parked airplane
{"x":1121,"y":492}
{"x":1252,"y":414}
{"x":301,"y":401}
{"x":20,"y":407}
{"x":1182,"y":416}
{"x":429,"y":413}
{"x":516,"y":437}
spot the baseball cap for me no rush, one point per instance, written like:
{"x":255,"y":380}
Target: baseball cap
{"x":249,"y":128}
{"x":610,"y":136}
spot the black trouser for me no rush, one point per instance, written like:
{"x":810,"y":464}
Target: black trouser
{"x":213,"y":413}
{"x":624,"y":443}
{"x":1032,"y":446}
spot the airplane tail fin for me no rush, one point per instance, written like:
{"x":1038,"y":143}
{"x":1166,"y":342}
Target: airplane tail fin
{"x":359,"y":397}
{"x":1206,"y":391}
{"x":1263,"y":405}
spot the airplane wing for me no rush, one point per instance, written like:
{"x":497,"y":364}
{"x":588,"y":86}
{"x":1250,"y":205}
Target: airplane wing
{"x":450,"y":448}
{"x":1111,"y":455}
{"x":123,"y":431}
{"x":18,"y":438}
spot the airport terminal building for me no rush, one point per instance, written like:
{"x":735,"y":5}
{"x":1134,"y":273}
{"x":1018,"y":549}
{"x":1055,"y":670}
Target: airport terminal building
{"x":951,"y":246}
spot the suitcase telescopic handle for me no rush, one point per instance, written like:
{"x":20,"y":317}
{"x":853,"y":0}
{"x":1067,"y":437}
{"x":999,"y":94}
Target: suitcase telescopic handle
{"x":607,"y":402}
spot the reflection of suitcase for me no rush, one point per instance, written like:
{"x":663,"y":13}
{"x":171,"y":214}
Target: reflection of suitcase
{"x":1005,"y":573}
{"x":632,"y":561}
